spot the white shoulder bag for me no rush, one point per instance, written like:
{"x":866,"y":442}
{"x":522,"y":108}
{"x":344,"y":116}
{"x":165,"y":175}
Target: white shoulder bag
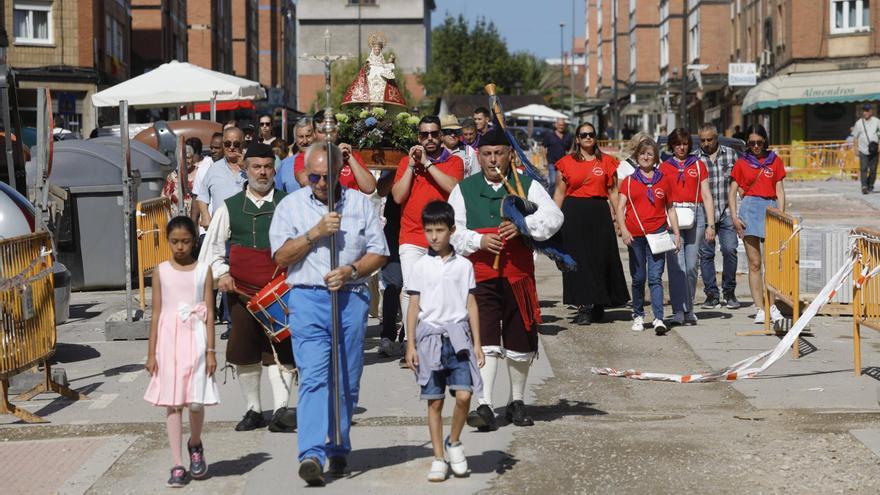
{"x":687,"y":215}
{"x":659,"y":242}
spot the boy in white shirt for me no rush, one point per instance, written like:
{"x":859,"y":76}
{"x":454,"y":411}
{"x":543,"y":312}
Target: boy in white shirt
{"x":444,"y":349}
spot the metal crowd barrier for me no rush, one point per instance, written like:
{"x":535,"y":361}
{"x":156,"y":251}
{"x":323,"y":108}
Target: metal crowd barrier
{"x":27,"y":318}
{"x":152,"y":243}
{"x":812,"y":159}
{"x":866,"y":288}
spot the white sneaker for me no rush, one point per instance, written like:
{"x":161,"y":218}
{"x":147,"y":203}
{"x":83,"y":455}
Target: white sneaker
{"x":775,"y":314}
{"x":638,"y":324}
{"x":660,"y":327}
{"x":759,"y":317}
{"x":386,"y":348}
{"x":456,"y":458}
{"x":439,"y":470}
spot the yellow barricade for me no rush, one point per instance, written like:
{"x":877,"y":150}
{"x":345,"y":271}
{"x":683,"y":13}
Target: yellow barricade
{"x":782,"y":251}
{"x":866,"y":288}
{"x":27,"y":317}
{"x":811,"y":159}
{"x":152,"y":242}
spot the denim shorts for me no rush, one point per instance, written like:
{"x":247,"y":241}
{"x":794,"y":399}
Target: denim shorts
{"x":456,"y":373}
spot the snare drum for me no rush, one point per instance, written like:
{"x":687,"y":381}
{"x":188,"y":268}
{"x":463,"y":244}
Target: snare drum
{"x":269,"y":307}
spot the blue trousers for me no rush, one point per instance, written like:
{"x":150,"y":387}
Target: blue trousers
{"x":725,"y":235}
{"x":311,"y":336}
{"x":645,"y":266}
{"x":682,"y":266}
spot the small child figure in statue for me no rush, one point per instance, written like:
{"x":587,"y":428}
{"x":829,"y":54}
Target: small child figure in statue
{"x":444,"y":349}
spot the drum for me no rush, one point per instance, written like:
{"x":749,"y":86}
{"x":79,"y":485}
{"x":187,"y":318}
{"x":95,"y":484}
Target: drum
{"x":269,"y":307}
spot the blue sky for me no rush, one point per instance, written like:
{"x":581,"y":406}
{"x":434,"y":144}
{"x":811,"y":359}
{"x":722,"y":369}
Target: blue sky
{"x":526,"y":25}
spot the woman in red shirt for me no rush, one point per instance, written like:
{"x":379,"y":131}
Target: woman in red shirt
{"x":758,"y":176}
{"x":691,"y":194}
{"x":644,"y":202}
{"x":585,"y":183}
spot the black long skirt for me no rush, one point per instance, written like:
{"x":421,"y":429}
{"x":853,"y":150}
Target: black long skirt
{"x":588,"y":236}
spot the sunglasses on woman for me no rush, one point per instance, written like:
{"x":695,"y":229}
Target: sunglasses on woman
{"x":587,"y":135}
{"x":752,"y":144}
{"x":432,"y":134}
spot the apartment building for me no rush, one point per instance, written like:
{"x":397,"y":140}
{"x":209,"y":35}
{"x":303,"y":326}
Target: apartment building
{"x":158,"y":33}
{"x":818,"y":62}
{"x":245,"y":39}
{"x":405,"y":23}
{"x":74,"y":48}
{"x":209,"y":34}
{"x":643,"y":73}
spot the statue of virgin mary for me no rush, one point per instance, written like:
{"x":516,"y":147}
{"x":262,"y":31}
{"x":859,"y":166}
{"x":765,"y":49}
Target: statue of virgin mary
{"x":375,"y":83}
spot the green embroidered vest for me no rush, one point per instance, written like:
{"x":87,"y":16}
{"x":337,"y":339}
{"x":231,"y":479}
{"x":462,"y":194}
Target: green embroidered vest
{"x":483,"y":205}
{"x":249,"y":225}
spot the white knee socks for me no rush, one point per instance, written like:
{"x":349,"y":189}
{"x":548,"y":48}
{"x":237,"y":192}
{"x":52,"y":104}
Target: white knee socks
{"x":281,"y":379}
{"x":519,"y":374}
{"x":487,"y":373}
{"x":249,"y":380}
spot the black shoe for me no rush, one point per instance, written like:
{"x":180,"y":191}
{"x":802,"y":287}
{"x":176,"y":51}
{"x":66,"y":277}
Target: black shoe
{"x":178,"y":477}
{"x":251,"y":421}
{"x":732,"y":302}
{"x":198,"y":467}
{"x":283,"y":421}
{"x":482,"y":418}
{"x":516,"y":414}
{"x":864,"y":190}
{"x":311,"y":471}
{"x":338,"y":467}
{"x":224,"y":335}
{"x":597,"y":313}
{"x":582,"y":318}
{"x":711,"y":302}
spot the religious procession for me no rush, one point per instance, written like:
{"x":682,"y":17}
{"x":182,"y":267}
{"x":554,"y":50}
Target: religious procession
{"x":240,"y":286}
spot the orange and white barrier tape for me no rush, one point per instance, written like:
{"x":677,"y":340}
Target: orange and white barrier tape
{"x":746,"y":368}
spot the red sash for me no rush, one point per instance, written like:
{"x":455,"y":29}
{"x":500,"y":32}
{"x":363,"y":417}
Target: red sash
{"x":251,"y":268}
{"x":517,"y":265}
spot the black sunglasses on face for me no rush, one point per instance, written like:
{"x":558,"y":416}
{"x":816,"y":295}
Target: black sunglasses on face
{"x":315,"y":178}
{"x":236,"y":145}
{"x":433,"y":134}
{"x":752,"y":144}
{"x":587,"y":135}
{"x":452,"y":132}
{"x":265,"y":124}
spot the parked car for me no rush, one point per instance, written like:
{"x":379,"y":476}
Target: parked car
{"x":737,"y":144}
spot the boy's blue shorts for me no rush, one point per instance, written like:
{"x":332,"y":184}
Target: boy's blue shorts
{"x":456,"y":373}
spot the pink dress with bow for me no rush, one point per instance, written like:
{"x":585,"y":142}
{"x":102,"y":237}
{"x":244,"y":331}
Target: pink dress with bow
{"x":181,"y":342}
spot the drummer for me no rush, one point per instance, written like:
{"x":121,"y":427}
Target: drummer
{"x":243,"y":221}
{"x":300,"y":237}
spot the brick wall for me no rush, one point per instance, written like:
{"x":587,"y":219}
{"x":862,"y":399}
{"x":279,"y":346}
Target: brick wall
{"x":199,"y":40}
{"x":714,"y":37}
{"x":66,"y":49}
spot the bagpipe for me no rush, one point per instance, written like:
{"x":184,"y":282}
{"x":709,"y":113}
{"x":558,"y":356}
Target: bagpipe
{"x":515,"y":207}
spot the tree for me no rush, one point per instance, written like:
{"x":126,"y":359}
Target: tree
{"x":465,"y":59}
{"x":345,"y":71}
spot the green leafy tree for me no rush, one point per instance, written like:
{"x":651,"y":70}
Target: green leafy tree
{"x":465,"y":59}
{"x":344,"y":72}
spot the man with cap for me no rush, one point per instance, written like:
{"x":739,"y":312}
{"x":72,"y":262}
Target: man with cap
{"x":507,"y":295}
{"x":452,"y":141}
{"x":242,"y":222}
{"x":866,"y":132}
{"x":427,"y":174}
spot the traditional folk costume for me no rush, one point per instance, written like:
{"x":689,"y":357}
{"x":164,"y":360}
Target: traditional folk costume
{"x":243,"y":222}
{"x":507,"y":296}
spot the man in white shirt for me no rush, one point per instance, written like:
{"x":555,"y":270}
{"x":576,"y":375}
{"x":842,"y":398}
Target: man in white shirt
{"x":866,"y":132}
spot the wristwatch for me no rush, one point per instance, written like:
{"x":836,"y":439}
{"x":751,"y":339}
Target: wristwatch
{"x":354,"y":272}
{"x":428,"y":166}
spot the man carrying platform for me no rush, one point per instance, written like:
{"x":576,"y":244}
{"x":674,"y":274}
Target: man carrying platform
{"x":505,"y":271}
{"x":243,"y":221}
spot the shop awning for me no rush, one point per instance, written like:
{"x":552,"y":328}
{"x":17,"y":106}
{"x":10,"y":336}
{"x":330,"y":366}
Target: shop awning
{"x":810,"y":88}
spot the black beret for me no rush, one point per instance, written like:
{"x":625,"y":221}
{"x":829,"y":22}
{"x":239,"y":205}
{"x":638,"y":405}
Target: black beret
{"x":259,"y":150}
{"x":495,"y":137}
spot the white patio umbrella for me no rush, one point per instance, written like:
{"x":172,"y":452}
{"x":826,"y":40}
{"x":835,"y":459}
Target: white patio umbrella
{"x":538,"y":112}
{"x":178,"y":83}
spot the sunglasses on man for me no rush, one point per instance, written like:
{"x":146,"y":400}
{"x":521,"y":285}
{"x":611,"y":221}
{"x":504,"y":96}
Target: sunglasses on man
{"x":432,"y":134}
{"x":232,"y":145}
{"x":315,"y":178}
{"x":587,"y":135}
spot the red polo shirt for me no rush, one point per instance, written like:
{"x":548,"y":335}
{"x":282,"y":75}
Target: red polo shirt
{"x":424,"y":190}
{"x":653,"y":216}
{"x":685,"y":191}
{"x":346,"y":175}
{"x":765,"y":185}
{"x":587,"y":179}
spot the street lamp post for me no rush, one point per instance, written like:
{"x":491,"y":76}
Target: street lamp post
{"x":561,"y":62}
{"x":571,"y":69}
{"x":684,"y":59}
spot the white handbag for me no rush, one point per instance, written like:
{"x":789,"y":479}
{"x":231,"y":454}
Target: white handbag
{"x":659,"y":242}
{"x":687,"y":215}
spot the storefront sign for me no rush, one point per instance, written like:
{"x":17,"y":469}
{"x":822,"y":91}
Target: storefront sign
{"x":742,"y":74}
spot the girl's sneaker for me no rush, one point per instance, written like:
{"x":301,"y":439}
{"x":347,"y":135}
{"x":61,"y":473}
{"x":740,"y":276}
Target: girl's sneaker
{"x":638,"y":324}
{"x":775,"y":314}
{"x":455,"y":456}
{"x":178,"y":477}
{"x":198,"y":467}
{"x":759,"y":317}
{"x":439,"y":470}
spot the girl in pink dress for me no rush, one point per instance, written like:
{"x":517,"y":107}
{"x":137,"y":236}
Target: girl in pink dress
{"x":181,"y":357}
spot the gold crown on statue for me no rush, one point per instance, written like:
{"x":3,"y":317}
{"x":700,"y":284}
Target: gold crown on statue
{"x":377,"y":38}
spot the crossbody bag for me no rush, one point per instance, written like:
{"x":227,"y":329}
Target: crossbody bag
{"x":659,"y":242}
{"x":872,"y":145}
{"x":687,"y":215}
